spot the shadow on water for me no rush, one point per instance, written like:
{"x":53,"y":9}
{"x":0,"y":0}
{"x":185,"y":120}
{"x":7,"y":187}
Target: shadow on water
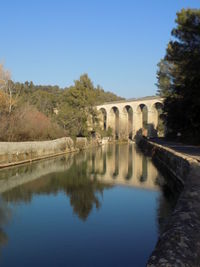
{"x":83,"y":177}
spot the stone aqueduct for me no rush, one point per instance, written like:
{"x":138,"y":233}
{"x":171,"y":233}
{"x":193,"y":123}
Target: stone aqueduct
{"x":128,"y":118}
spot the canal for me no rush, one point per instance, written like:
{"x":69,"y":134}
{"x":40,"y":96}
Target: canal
{"x":101,"y":207}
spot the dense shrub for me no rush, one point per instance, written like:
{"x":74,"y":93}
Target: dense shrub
{"x":27,"y":123}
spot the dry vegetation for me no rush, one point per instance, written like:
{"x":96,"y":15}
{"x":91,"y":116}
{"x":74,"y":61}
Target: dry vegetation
{"x":27,"y":111}
{"x":22,"y":122}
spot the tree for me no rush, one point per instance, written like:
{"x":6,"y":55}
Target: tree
{"x":163,"y":77}
{"x":179,"y":77}
{"x":78,"y":106}
{"x":4,"y":77}
{"x":74,"y":106}
{"x":9,"y":93}
{"x":6,"y":99}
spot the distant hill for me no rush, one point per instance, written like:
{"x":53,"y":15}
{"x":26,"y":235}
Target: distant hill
{"x":46,"y":98}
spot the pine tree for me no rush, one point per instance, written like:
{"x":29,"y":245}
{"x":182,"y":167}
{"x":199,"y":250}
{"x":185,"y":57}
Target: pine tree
{"x":179,"y":77}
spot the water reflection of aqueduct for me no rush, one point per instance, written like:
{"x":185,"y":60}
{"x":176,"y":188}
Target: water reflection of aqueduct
{"x":115,"y":164}
{"x":126,"y":118}
{"x":123,"y":165}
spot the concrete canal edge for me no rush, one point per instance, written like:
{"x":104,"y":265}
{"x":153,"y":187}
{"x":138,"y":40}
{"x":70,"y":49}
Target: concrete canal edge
{"x":16,"y":153}
{"x":179,"y":243}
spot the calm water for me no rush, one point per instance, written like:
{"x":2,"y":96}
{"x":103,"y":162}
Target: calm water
{"x":102,"y":207}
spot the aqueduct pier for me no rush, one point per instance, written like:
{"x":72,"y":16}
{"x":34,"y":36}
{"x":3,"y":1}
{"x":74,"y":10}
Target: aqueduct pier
{"x":128,"y":118}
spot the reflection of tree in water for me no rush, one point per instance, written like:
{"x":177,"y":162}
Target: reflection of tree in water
{"x":116,"y":171}
{"x":130,"y":163}
{"x":82,"y":190}
{"x":109,"y":151}
{"x":82,"y":201}
{"x":144,"y":175}
{"x":5,"y":214}
{"x":93,"y":163}
{"x":104,"y":163}
{"x":76,"y":182}
{"x":167,"y":202}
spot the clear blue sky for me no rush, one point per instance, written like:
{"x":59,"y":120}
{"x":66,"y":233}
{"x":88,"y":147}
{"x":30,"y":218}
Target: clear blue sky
{"x":117,"y":42}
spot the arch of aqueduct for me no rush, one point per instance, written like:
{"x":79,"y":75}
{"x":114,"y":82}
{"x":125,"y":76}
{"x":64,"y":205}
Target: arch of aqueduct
{"x":126,"y":117}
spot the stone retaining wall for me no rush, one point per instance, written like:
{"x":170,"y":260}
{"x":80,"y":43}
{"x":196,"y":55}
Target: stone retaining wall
{"x":12,"y":153}
{"x":179,"y":243}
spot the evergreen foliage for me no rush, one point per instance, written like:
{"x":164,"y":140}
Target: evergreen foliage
{"x":179,"y":77}
{"x":75,"y":106}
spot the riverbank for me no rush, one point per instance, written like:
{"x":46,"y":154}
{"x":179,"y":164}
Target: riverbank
{"x":179,"y":243}
{"x":15,"y":153}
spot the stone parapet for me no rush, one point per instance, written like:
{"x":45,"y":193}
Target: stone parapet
{"x":179,"y":243}
{"x":12,"y":153}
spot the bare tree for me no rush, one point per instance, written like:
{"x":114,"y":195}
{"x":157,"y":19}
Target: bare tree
{"x":6,"y":87}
